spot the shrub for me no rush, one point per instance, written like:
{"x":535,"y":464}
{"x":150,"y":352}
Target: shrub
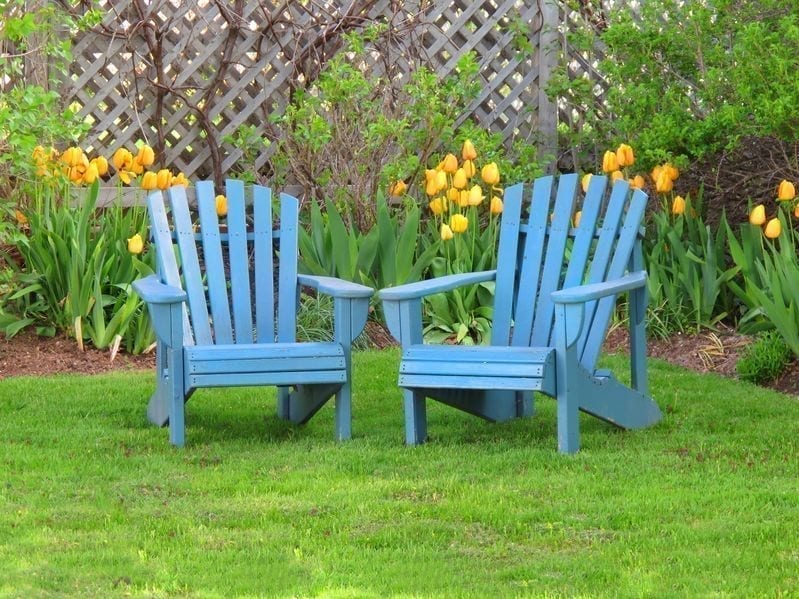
{"x":765,"y":359}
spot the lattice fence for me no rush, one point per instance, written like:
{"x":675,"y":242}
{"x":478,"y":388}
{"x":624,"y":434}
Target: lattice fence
{"x":184,"y":76}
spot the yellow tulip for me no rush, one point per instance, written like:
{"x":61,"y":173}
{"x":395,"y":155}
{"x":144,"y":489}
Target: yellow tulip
{"x":145,"y":156}
{"x":72,"y":156}
{"x":431,"y":187}
{"x":468,"y":152}
{"x":786,"y":191}
{"x":437,"y":206}
{"x":678,"y":205}
{"x":441,"y":180}
{"x":796,"y":211}
{"x":758,"y":215}
{"x":616,"y":175}
{"x":398,"y":188}
{"x":664,"y":183}
{"x":450,"y":164}
{"x":125,"y":176}
{"x":22,"y":220}
{"x":585,"y":181}
{"x":672,"y":171}
{"x":179,"y":179}
{"x":459,"y":179}
{"x":453,"y":194}
{"x":773,"y":228}
{"x":490,"y":173}
{"x":149,"y":181}
{"x":446,"y":232}
{"x":221,"y":205}
{"x":102,"y":165}
{"x":91,"y":174}
{"x":463,"y":198}
{"x":475,"y":196}
{"x":637,"y":182}
{"x":75,"y":173}
{"x":136,"y":244}
{"x":625,"y":156}
{"x":122,"y":159}
{"x":496,"y":206}
{"x":656,"y":172}
{"x":469,"y":168}
{"x":429,"y":175}
{"x":163,"y":178}
{"x":458,"y":223}
{"x":577,"y":217}
{"x":609,"y":162}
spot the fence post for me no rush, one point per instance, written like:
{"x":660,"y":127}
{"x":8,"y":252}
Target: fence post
{"x":547,"y":61}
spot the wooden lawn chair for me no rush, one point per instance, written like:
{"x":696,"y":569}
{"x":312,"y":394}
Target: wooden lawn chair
{"x":555,"y":292}
{"x":213,"y":308}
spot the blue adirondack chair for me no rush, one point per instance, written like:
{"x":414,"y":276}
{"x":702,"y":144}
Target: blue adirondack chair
{"x":555,"y":291}
{"x":217,"y":326}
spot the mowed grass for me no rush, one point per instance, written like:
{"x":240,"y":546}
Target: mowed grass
{"x":94,"y":502}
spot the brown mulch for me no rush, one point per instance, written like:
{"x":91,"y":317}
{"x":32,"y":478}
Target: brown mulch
{"x":27,"y":354}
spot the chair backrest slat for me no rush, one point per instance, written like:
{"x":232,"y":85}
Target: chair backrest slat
{"x":618,"y":265}
{"x":166,"y":261}
{"x":190,"y":265}
{"x":532,"y":259}
{"x":239,"y":260}
{"x":214,"y":263}
{"x":551,"y":276}
{"x":287,"y":285}
{"x":264,"y":260}
{"x":507,"y":251}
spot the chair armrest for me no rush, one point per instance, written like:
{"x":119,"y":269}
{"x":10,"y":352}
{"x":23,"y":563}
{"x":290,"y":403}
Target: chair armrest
{"x":335,"y":287}
{"x":586,"y":293}
{"x":429,"y":287}
{"x":153,"y":291}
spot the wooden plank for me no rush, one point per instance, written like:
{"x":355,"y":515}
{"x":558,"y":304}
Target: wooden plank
{"x":266,"y":365}
{"x":308,"y":349}
{"x":214,"y":263}
{"x":478,"y":354}
{"x":239,"y":262}
{"x":264,"y":261}
{"x":287,"y":285}
{"x":507,"y":250}
{"x":486,"y":369}
{"x":192,"y":277}
{"x":280,"y":379}
{"x":413,"y":381}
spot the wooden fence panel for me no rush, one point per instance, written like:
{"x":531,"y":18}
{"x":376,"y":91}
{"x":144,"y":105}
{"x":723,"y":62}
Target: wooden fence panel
{"x":184,"y":76}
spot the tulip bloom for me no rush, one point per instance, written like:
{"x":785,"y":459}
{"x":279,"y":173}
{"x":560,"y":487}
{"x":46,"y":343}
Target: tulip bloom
{"x":91,"y":174}
{"x":637,"y":182}
{"x":678,"y":205}
{"x":672,"y":171}
{"x":625,"y":156}
{"x":609,"y":162}
{"x":221,"y":205}
{"x":475,"y":196}
{"x":72,"y":156}
{"x":22,"y":220}
{"x":102,"y":165}
{"x":585,"y":182}
{"x":758,"y":215}
{"x":786,"y":191}
{"x":577,"y":217}
{"x":398,"y":188}
{"x":135,"y":244}
{"x":459,"y":179}
{"x":664,"y":183}
{"x":458,"y":223}
{"x":179,"y":179}
{"x":145,"y":156}
{"x":149,"y":181}
{"x":496,"y":206}
{"x":469,"y":168}
{"x":463,"y":198}
{"x":453,"y":195}
{"x":450,"y":164}
{"x":773,"y":228}
{"x":122,"y":159}
{"x":468,"y":152}
{"x":441,"y":180}
{"x":490,"y":173}
{"x":446,"y":232}
{"x":163,"y":178}
{"x":437,"y":206}
{"x":616,"y":175}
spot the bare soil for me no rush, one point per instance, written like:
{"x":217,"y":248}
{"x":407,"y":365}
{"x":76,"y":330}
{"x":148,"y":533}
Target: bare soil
{"x":28,"y":354}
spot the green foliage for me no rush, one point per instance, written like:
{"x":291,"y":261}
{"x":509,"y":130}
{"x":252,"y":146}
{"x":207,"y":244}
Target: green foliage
{"x":31,"y":112}
{"x":250,"y":144}
{"x":78,"y":272}
{"x":688,"y":271}
{"x":765,"y":359}
{"x":384,"y":256}
{"x":351,"y":131}
{"x":687,"y":78}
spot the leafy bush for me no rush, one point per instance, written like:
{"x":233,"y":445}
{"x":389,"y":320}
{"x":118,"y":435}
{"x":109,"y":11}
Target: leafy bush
{"x":765,"y":359}
{"x":685,"y":78}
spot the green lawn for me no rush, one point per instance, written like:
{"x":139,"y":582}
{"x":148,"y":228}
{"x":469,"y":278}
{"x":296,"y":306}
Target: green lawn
{"x":94,"y":502}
